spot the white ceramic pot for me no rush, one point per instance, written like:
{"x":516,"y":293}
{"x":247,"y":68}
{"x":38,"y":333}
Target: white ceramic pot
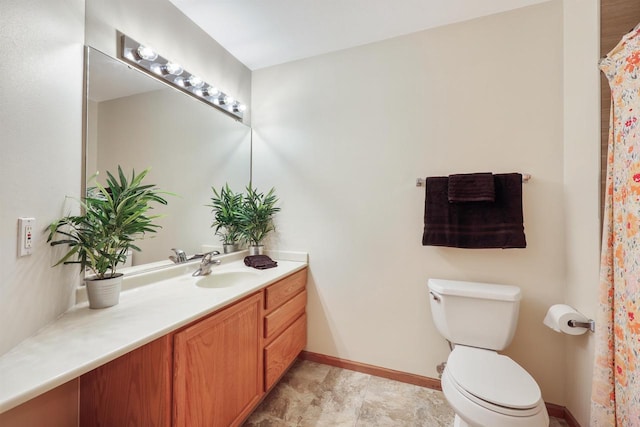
{"x":103,"y":293}
{"x":256,"y":250}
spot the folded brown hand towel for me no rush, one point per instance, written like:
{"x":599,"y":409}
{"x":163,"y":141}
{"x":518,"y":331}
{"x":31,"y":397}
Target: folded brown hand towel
{"x":471,"y":187}
{"x":497,"y":224}
{"x":261,"y":262}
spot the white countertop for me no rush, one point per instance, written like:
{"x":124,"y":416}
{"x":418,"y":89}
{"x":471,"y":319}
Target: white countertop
{"x":83,"y":339}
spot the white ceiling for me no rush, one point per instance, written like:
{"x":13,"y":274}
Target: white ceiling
{"x":261,"y":33}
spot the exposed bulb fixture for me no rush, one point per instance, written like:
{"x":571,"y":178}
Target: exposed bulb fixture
{"x":210,"y":91}
{"x":179,"y":81}
{"x":146,"y":53}
{"x":237,"y":107}
{"x":226,"y":100}
{"x":195,"y":81}
{"x":146,"y":59}
{"x":170,"y":68}
{"x":173,"y":68}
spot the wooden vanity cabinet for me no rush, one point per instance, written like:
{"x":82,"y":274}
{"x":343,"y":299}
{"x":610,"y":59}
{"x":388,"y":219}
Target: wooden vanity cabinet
{"x":218,"y":367}
{"x":211,"y":373}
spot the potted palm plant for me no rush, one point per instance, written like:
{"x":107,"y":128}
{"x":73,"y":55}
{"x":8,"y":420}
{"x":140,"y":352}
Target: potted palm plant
{"x":113,"y":217}
{"x":226,"y":205}
{"x":256,"y":217}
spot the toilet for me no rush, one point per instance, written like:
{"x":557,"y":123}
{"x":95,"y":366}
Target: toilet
{"x":484,"y":388}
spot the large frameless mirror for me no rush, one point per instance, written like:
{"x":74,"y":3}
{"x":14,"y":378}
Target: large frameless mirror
{"x":137,"y":122}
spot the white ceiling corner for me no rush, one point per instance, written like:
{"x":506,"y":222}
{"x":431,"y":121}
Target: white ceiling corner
{"x":261,"y":33}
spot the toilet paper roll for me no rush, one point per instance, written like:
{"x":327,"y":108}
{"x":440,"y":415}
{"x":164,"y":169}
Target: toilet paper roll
{"x":558,"y":317}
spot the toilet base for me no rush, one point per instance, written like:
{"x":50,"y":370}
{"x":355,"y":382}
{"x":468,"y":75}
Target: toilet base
{"x":459,"y":422}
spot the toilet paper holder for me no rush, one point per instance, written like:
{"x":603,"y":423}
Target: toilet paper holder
{"x":565,"y":319}
{"x":590,"y":324}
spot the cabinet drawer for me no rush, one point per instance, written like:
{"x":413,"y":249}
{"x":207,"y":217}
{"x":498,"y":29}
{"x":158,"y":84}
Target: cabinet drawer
{"x":283,"y":350}
{"x":276,"y":321}
{"x":283,"y":290}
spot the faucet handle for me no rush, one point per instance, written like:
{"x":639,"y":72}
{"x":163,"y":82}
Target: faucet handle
{"x":208,"y":258}
{"x":180,"y":256}
{"x":206,"y":263}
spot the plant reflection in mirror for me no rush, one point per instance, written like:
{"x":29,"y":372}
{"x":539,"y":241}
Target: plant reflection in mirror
{"x":226,"y":207}
{"x":256,"y":215}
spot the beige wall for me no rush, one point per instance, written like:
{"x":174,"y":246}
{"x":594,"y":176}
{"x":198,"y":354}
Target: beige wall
{"x":581,"y":187}
{"x":41,"y":116}
{"x":362,"y":124}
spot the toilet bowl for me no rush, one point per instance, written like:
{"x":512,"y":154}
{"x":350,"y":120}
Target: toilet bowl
{"x":484,"y":388}
{"x":487,"y":389}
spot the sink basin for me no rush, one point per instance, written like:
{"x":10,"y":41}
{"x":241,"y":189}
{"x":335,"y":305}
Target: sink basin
{"x":225,"y":279}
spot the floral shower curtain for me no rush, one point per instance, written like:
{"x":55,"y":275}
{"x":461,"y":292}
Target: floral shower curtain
{"x":615,"y":396}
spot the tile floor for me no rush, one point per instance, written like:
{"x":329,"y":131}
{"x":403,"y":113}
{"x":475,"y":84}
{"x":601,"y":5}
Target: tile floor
{"x":317,"y":395}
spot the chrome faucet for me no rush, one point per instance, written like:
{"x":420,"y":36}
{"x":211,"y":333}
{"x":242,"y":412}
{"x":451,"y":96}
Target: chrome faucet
{"x":179,"y":256}
{"x":206,"y":264}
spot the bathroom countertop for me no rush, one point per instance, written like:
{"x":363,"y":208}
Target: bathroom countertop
{"x":83,"y":339}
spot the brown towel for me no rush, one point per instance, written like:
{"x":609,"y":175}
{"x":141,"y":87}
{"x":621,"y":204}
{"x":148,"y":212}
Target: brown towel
{"x":261,"y":262}
{"x":471,"y":187}
{"x":475,"y":225}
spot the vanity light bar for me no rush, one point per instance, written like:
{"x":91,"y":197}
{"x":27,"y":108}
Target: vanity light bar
{"x":145,"y":58}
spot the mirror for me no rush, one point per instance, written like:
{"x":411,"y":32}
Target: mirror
{"x":138,"y":122}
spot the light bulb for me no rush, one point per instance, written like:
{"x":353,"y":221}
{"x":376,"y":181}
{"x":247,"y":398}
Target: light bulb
{"x":228,"y":99}
{"x":146,"y":53}
{"x":157,"y":69}
{"x":195,"y":81}
{"x":211,"y":91}
{"x":241,"y":107}
{"x":173,"y":68}
{"x":179,"y":81}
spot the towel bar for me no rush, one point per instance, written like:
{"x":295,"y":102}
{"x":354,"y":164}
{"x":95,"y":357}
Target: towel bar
{"x":420,"y":182}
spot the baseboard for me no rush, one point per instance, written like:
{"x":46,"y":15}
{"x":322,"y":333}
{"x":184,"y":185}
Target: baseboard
{"x":372,"y":370}
{"x":570,"y":419}
{"x":554,"y":410}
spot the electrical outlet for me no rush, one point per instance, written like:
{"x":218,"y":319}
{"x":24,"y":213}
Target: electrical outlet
{"x":26,"y":226}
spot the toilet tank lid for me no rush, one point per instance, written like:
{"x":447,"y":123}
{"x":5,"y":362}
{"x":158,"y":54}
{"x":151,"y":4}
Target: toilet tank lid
{"x":475,"y":289}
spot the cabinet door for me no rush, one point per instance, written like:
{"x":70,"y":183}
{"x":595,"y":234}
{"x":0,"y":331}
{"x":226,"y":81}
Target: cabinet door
{"x":218,"y":367}
{"x":132,"y":390}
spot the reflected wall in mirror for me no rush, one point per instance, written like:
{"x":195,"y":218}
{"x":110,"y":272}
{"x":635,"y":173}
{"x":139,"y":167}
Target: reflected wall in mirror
{"x":138,"y":122}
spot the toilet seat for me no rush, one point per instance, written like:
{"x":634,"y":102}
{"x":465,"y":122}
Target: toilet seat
{"x":471,"y":414}
{"x":493,"y":381}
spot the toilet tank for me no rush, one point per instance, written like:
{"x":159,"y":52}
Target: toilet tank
{"x":480,"y":315}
